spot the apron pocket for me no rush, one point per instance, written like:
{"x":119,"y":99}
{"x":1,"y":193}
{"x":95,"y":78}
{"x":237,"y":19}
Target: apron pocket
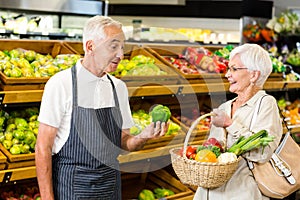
{"x":94,"y":183}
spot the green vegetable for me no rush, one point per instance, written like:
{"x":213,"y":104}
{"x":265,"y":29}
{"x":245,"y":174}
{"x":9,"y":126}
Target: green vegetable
{"x":7,"y":144}
{"x":2,"y":120}
{"x":160,"y":113}
{"x":146,"y":194}
{"x":15,"y":149}
{"x":19,"y":134}
{"x":2,"y":138}
{"x":216,"y":150}
{"x":224,"y":52}
{"x":162,"y":192}
{"x":173,"y":128}
{"x":259,"y":139}
{"x":25,"y":148}
{"x":29,"y":137}
{"x":11,"y":127}
{"x":21,"y":123}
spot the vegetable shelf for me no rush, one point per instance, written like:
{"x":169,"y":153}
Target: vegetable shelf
{"x":150,"y":181}
{"x":25,"y":96}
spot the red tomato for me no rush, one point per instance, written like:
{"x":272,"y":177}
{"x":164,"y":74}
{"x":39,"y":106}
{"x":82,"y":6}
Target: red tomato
{"x":190,"y":150}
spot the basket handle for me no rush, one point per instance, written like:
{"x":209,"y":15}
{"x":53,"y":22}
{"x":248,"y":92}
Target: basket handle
{"x":188,"y":135}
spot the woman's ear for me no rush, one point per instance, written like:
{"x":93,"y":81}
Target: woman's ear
{"x":254,"y":76}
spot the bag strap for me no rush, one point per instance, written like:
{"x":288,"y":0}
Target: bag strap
{"x":256,"y":111}
{"x":253,"y":120}
{"x":281,"y":168}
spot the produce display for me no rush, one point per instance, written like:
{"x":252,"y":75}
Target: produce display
{"x":203,"y":125}
{"x":183,"y":65}
{"x":139,"y":65}
{"x":22,"y":192}
{"x":142,"y":119}
{"x":293,"y":58}
{"x":157,"y":193}
{"x":18,"y":63}
{"x":205,"y":60}
{"x":278,"y":66}
{"x":19,"y":130}
{"x":213,"y":151}
{"x":255,"y":32}
{"x":290,"y":110}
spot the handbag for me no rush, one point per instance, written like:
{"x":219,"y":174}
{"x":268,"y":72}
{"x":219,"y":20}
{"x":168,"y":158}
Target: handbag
{"x":280,"y":176}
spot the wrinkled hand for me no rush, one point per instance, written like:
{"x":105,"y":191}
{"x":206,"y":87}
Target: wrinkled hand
{"x":220,"y":118}
{"x":156,"y":131}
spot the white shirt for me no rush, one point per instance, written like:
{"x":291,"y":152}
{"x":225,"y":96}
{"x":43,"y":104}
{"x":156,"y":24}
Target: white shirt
{"x":93,"y":92}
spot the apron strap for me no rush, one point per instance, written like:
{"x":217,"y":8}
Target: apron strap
{"x":114,"y":91}
{"x":74,"y":86}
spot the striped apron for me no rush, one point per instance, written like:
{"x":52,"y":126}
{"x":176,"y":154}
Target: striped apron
{"x":87,"y":167}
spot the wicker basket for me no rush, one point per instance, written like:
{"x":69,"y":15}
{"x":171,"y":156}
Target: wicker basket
{"x":202,"y":174}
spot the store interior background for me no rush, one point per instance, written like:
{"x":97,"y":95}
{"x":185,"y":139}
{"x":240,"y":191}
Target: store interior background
{"x":70,"y":15}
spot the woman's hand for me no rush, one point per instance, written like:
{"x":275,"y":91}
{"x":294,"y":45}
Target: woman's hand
{"x":220,"y":118}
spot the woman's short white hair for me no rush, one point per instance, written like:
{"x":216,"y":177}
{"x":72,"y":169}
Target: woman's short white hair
{"x":95,"y":26}
{"x":254,"y":57}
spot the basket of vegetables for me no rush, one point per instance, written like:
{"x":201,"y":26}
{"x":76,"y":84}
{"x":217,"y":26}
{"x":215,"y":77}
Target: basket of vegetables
{"x":210,"y":165}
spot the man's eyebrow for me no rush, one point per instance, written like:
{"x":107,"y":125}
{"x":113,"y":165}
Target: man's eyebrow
{"x":115,"y":40}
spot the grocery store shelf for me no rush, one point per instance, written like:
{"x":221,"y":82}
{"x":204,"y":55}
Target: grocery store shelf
{"x":31,"y":96}
{"x":281,"y":85}
{"x":17,"y":174}
{"x":24,"y":96}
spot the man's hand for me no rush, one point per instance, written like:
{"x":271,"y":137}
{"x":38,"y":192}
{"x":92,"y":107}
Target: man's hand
{"x":156,"y":131}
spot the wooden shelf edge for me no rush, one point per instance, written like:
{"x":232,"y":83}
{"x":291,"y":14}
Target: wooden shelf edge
{"x":28,"y":96}
{"x":21,"y":96}
{"x":17,"y":174}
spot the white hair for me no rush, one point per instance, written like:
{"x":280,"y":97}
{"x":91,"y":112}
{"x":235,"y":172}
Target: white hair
{"x":254,"y":57}
{"x":95,"y":26}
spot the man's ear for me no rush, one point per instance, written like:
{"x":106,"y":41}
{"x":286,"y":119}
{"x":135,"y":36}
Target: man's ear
{"x":89,"y":45}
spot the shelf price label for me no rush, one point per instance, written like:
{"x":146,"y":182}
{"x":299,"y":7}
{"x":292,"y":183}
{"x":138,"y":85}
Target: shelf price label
{"x":45,"y":33}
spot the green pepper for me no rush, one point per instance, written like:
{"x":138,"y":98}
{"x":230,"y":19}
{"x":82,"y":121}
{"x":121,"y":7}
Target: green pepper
{"x":11,"y":127}
{"x":160,"y":113}
{"x":15,"y":149}
{"x":162,"y":192}
{"x":29,"y":137}
{"x":25,"y":148}
{"x":21,"y":123}
{"x":19,"y":134}
{"x":7,"y":144}
{"x":2,"y":138}
{"x":2,"y":120}
{"x":146,"y":194}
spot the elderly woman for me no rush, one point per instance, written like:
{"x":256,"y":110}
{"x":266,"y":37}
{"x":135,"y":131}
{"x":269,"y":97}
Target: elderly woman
{"x":249,"y":68}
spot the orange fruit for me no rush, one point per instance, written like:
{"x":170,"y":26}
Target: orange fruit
{"x":206,"y":155}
